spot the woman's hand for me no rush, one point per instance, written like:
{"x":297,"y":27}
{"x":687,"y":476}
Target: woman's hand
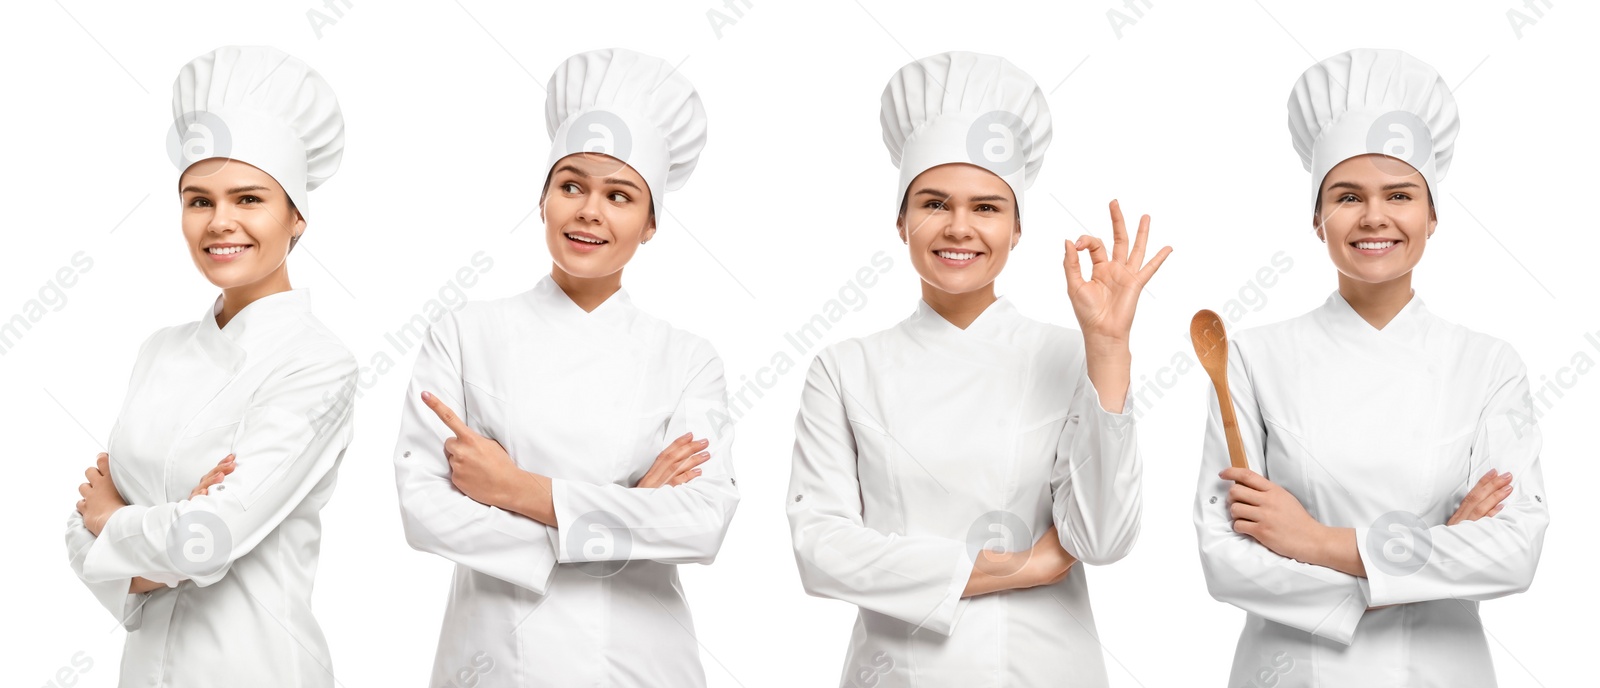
{"x":1105,"y":302}
{"x":1048,"y":562}
{"x":675,"y":465}
{"x":1270,"y":514}
{"x":139,"y":585}
{"x":479,"y":466}
{"x":1045,"y":563}
{"x":1486,"y":498}
{"x":100,"y":496}
{"x":213,"y":477}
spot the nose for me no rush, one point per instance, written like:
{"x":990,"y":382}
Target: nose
{"x":1373,"y":215}
{"x":224,"y":218}
{"x":590,"y":210}
{"x":959,"y":225}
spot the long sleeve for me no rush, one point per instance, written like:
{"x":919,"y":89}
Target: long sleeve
{"x":439,"y":518}
{"x":1095,"y":482}
{"x":1238,"y":569}
{"x":917,"y":579}
{"x":679,"y":524}
{"x":113,"y":594}
{"x":1493,"y":556}
{"x":287,"y":441}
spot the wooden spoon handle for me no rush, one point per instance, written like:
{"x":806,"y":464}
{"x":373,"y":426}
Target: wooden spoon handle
{"x":1230,"y":426}
{"x":1210,"y":338}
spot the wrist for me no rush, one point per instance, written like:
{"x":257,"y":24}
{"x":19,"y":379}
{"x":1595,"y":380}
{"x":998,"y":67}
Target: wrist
{"x":532,"y":495}
{"x":1322,"y":545}
{"x":1101,"y":344}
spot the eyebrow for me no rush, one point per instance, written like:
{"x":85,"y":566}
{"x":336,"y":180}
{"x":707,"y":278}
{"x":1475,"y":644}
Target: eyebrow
{"x":229,"y":192}
{"x":608,"y":180}
{"x":1385,"y":187}
{"x":975,"y":199}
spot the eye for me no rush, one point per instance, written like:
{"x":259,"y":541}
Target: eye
{"x":1347,"y":198}
{"x":570,"y":187}
{"x":618,"y":197}
{"x":249,"y":199}
{"x":934,"y":205}
{"x":1400,"y":196}
{"x":986,"y":208}
{"x":199,"y":202}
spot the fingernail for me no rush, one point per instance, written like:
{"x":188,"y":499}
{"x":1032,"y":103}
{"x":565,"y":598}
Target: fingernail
{"x":686,"y":435}
{"x":427,"y":397}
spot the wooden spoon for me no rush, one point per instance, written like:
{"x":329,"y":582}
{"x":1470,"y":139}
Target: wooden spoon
{"x":1210,"y":339}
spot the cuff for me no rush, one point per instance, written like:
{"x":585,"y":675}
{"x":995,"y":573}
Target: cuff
{"x":103,"y":562}
{"x":1340,"y":623}
{"x":1377,"y":587}
{"x":942,"y":619}
{"x":1112,"y":421}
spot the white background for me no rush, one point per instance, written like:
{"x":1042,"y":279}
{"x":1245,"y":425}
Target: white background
{"x":1181,"y":116}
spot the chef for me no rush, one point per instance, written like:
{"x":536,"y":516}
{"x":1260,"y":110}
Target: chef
{"x":1393,"y":483}
{"x":950,"y":474}
{"x":198,"y":527}
{"x":561,"y":446}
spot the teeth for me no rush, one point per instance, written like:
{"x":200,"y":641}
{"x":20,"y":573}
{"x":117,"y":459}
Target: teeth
{"x":215,"y":251}
{"x":1374,"y":245}
{"x":952,"y":255}
{"x":585,"y":240}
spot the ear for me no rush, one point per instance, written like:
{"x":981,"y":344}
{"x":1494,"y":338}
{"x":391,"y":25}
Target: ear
{"x":649,"y":230}
{"x":900,"y":228}
{"x":1433,"y":220}
{"x":1016,"y":234}
{"x":1316,"y":226}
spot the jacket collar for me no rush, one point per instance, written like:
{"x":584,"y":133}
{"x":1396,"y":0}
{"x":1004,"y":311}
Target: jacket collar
{"x":1406,"y":326}
{"x":990,"y":324}
{"x":550,"y":300}
{"x":259,"y":325}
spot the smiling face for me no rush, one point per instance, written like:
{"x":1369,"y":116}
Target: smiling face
{"x":1376,"y":217}
{"x":961,"y":223}
{"x":237,"y":222}
{"x":596,"y":210}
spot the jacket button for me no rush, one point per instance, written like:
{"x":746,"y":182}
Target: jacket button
{"x":406,"y":455}
{"x":799,"y":497}
{"x":1213,"y":499}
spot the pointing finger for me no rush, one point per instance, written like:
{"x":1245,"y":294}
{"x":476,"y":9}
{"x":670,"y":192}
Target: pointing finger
{"x":451,"y":420}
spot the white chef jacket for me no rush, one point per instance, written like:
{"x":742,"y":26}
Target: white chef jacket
{"x":1371,"y":429}
{"x":918,"y":445}
{"x":273,"y":387}
{"x":588,"y":399}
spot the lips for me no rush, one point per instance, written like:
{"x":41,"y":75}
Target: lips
{"x":224,"y":253}
{"x":1374,"y":247}
{"x":583,"y":242}
{"x":957,"y":257}
{"x":585,"y":238}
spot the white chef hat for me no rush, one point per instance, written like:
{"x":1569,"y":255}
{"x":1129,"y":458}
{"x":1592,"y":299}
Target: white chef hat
{"x":261,"y":106}
{"x":967,"y":108}
{"x":1373,"y":101}
{"x":633,"y":107}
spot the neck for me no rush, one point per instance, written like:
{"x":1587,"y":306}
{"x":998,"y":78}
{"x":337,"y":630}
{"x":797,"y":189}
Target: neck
{"x":234,"y":299}
{"x":587,"y":292}
{"x":1377,"y":303}
{"x":959,"y":309}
